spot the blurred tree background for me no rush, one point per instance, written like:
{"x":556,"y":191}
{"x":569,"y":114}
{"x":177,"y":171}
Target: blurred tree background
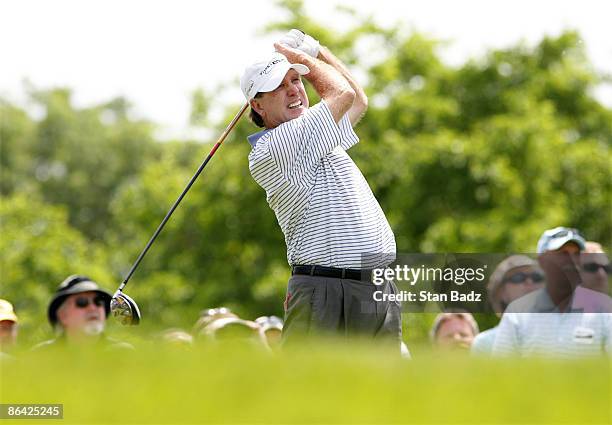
{"x":476,"y":158}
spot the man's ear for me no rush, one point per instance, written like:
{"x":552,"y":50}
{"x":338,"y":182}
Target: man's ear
{"x":61,"y":314}
{"x":257,"y":107}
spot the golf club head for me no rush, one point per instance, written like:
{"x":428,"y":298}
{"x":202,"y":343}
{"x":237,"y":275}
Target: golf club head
{"x":125,"y":309}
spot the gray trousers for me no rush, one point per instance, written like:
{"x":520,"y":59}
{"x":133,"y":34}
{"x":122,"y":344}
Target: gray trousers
{"x":321,"y":306}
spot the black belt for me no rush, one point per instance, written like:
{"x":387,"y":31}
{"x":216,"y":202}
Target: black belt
{"x":355,"y":274}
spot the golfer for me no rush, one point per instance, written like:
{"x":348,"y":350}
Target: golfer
{"x":334,"y":228}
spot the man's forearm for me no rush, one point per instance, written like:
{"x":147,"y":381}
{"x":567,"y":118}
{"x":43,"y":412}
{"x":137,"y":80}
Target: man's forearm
{"x":360,"y":105}
{"x":326,"y":80}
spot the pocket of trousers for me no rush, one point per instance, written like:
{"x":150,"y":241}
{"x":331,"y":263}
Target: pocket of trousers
{"x":300,"y":291}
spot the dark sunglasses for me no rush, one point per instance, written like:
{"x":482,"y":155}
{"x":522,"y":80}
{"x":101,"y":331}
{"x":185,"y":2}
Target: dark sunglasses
{"x":594,"y":268}
{"x":521,"y":277}
{"x":83,"y":302}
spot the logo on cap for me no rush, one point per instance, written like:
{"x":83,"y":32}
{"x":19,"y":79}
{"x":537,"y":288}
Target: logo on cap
{"x":250,"y":87}
{"x":269,"y":66}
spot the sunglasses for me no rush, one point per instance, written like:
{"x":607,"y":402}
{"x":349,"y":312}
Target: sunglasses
{"x":83,"y":302}
{"x":521,"y":277}
{"x":594,"y":268}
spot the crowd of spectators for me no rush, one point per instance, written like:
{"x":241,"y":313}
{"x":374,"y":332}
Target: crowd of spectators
{"x":557,"y":305}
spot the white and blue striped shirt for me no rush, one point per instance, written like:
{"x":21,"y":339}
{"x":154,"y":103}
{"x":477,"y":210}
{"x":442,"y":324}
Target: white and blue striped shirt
{"x":322,"y":202}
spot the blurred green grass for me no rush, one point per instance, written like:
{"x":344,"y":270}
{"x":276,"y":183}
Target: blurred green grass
{"x":315,"y":384}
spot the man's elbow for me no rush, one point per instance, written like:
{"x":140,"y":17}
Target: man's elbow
{"x":341,"y":102}
{"x":347,"y":98}
{"x":361,"y":102}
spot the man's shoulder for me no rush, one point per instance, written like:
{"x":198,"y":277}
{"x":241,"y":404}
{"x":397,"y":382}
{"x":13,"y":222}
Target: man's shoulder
{"x":486,"y":335}
{"x":114,"y":344}
{"x":105,"y":342}
{"x":41,"y":346}
{"x":590,"y":301}
{"x":4,"y":357}
{"x":254,"y":138}
{"x":533,"y":302}
{"x":483,"y":342}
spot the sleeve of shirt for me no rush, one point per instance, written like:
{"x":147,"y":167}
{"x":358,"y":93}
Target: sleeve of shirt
{"x":507,"y":338}
{"x":349,"y":138}
{"x":298,"y":146}
{"x":263,"y":167}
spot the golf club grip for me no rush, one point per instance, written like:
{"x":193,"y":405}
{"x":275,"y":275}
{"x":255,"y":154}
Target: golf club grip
{"x":225,"y":133}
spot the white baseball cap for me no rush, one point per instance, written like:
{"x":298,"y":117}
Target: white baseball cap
{"x":7,"y":312}
{"x":553,"y":239}
{"x":266,"y":75}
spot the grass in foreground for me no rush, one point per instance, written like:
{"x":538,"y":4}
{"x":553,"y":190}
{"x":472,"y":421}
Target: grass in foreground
{"x":329,"y":384}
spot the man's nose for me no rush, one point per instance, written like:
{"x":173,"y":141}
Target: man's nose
{"x":292,"y":89}
{"x":92,"y":306}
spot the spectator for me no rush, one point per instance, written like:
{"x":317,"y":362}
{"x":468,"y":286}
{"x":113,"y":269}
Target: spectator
{"x":549,"y":321}
{"x":592,"y":247}
{"x":78,"y":313}
{"x":454,"y":330}
{"x":514,"y":277}
{"x":8,"y":327}
{"x":272,"y":328}
{"x":177,"y":338}
{"x":235,"y":330}
{"x":210,"y":315}
{"x":595,"y":268}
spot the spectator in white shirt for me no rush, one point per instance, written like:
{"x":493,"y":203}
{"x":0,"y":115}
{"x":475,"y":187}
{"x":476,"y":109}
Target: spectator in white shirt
{"x":554,"y":320}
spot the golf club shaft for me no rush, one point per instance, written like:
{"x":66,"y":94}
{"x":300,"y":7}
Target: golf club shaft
{"x":227,"y":130}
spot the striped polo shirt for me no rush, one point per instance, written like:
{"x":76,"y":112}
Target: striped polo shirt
{"x":322,"y":202}
{"x":533,"y":326}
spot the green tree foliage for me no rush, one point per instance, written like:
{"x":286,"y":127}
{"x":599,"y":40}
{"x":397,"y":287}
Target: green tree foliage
{"x":480,"y":157}
{"x":74,"y":157}
{"x":39,"y":250}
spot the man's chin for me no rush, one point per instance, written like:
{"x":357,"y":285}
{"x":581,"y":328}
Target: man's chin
{"x":295,"y":113}
{"x":93,"y":327}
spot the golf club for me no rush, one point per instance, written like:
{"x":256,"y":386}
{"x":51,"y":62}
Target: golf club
{"x":122,"y":306}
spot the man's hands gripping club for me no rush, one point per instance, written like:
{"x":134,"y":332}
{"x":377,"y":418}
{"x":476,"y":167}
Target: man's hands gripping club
{"x":312,"y":53}
{"x":301,"y":41}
